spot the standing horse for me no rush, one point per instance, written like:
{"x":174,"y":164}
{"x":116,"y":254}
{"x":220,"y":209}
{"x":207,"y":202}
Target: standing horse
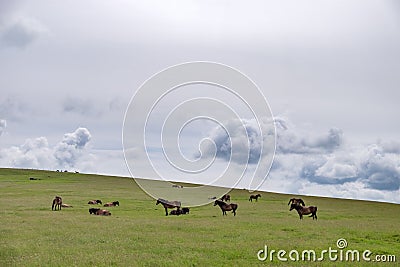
{"x":296,"y":201}
{"x":226,"y":207}
{"x":254,"y":197}
{"x":57,"y":203}
{"x":304,"y":210}
{"x":168,"y":204}
{"x":226,"y":198}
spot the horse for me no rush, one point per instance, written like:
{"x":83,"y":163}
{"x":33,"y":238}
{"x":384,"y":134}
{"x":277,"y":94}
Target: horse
{"x":112,"y":204}
{"x":226,"y":198}
{"x":185,"y":210}
{"x":57,"y":203}
{"x":103,"y":212}
{"x":95,"y":202}
{"x":226,"y":207}
{"x":304,"y":210}
{"x":66,"y":205}
{"x":93,"y":210}
{"x":254,"y":197}
{"x":296,"y":201}
{"x":176,"y":212}
{"x":168,"y":204}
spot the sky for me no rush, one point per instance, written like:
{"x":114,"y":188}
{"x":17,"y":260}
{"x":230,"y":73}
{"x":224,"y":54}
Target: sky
{"x":329,"y":71}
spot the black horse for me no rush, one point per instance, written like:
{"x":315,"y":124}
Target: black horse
{"x":254,"y":197}
{"x":168,"y":204}
{"x":226,"y":207}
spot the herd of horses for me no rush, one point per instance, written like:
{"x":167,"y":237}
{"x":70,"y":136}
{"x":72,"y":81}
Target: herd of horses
{"x":295,"y":203}
{"x":57,"y":204}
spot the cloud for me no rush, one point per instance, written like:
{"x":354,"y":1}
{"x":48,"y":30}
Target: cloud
{"x":21,"y":32}
{"x":291,"y":140}
{"x":36,"y":152}
{"x":69,"y":149}
{"x":81,"y":106}
{"x":240,"y":141}
{"x":3,"y":125}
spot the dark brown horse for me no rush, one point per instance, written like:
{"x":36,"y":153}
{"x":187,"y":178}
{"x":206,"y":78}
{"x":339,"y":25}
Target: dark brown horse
{"x":226,"y":198}
{"x":226,"y":207}
{"x":57,"y":203}
{"x":97,"y":211}
{"x":296,"y":201}
{"x":112,"y":204}
{"x":168,"y":204}
{"x":95,"y":202}
{"x":254,"y":197}
{"x":305,"y":211}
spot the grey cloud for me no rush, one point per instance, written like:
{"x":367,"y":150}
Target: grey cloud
{"x":3,"y":125}
{"x":13,"y":108}
{"x":290,"y":140}
{"x":81,"y":106}
{"x":370,"y":166}
{"x":246,"y":141}
{"x":21,"y":33}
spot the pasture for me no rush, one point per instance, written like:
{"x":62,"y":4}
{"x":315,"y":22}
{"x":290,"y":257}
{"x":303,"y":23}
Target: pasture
{"x":139,"y":234}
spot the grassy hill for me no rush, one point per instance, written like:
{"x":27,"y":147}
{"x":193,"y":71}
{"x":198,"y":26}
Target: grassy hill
{"x":139,"y":234}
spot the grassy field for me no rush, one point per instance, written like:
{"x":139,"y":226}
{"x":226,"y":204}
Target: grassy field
{"x":139,"y":234}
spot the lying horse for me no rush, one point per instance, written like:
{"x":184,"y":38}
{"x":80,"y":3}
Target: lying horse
{"x":168,"y":204}
{"x":57,"y":203}
{"x":254,"y":197}
{"x":296,"y":201}
{"x":305,"y":210}
{"x":176,"y":212}
{"x":95,"y":202}
{"x":93,"y":210}
{"x":97,"y":211}
{"x":226,"y":207}
{"x":185,"y":210}
{"x":226,"y":198}
{"x":103,"y":212}
{"x":112,"y":204}
{"x":66,"y":205}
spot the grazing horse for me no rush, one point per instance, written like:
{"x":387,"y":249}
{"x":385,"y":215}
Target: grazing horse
{"x":95,"y":202}
{"x":305,"y":211}
{"x":254,"y":197}
{"x":112,"y":204}
{"x":226,"y":198}
{"x":296,"y":201}
{"x":168,"y":204}
{"x":57,"y":203}
{"x":226,"y":207}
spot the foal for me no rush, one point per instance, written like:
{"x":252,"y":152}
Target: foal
{"x":304,"y":210}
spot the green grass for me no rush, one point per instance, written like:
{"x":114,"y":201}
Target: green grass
{"x":139,"y":234}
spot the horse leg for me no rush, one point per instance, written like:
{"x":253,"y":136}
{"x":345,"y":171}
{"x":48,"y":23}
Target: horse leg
{"x":166,"y":212}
